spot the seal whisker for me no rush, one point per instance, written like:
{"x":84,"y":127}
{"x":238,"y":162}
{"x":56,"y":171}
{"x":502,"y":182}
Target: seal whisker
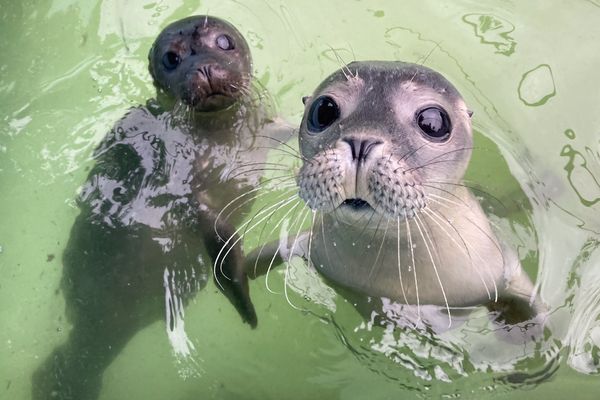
{"x":414,"y":267}
{"x":249,"y":200}
{"x":279,"y":149}
{"x":379,"y":251}
{"x":464,"y":249}
{"x":219,"y":260}
{"x":450,"y":152}
{"x":356,"y":239}
{"x":427,"y":238}
{"x":454,"y":195}
{"x":410,"y":153}
{"x":473,"y":188}
{"x":287,"y":267}
{"x":241,"y":172}
{"x":433,"y":163}
{"x":310,"y":234}
{"x":281,"y":142}
{"x":398,"y":256}
{"x":285,"y":193}
{"x":419,"y":62}
{"x":284,"y":227}
{"x":324,"y":242}
{"x":262,"y":231}
{"x":343,"y":65}
{"x":282,"y":220}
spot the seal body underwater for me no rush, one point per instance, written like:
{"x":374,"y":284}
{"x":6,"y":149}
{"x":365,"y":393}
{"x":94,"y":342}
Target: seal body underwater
{"x":384,"y":146}
{"x":148,"y":231}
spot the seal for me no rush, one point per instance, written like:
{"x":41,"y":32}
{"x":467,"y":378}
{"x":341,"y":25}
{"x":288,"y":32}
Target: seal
{"x":148,"y":230}
{"x":384,"y":146}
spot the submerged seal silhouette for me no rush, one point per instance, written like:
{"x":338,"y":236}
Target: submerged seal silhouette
{"x":384,"y":146}
{"x":148,"y":230}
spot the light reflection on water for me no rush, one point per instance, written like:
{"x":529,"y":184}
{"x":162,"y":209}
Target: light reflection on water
{"x":528,"y":84}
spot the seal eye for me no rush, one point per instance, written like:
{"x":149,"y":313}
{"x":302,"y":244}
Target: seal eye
{"x":323,"y":112}
{"x":225,"y":42}
{"x":435,"y":123}
{"x":171,"y":60}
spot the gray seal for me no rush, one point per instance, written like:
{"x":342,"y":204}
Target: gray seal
{"x":384,"y":146}
{"x":149,"y":230}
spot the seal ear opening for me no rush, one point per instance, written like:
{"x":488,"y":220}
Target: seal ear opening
{"x":469,"y":113}
{"x":305,"y":99}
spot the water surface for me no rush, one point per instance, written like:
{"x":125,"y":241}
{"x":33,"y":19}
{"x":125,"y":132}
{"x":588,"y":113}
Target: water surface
{"x":70,"y":69}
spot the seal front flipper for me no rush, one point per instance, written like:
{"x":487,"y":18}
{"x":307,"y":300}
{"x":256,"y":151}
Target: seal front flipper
{"x":517,"y":302}
{"x":228,"y":267}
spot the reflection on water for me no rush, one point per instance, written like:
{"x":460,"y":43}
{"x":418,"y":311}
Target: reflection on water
{"x":537,"y":86}
{"x":494,"y":31}
{"x":583,"y":177}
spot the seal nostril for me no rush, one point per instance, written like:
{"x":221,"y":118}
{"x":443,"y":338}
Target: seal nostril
{"x":367,"y":146}
{"x":205,"y":71}
{"x":361,"y":148}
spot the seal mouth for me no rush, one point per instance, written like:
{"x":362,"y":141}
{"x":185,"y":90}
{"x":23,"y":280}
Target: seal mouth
{"x":357,"y":204}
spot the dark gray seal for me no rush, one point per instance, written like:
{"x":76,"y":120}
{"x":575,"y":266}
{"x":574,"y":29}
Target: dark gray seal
{"x":384,"y":146}
{"x":148,"y":232}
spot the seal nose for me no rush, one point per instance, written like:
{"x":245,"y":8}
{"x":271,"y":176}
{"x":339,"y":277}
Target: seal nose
{"x":361,"y":147}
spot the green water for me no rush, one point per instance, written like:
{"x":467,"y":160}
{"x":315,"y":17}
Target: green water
{"x":70,"y":69}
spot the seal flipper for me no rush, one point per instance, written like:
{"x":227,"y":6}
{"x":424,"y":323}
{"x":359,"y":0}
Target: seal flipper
{"x":229,"y":272}
{"x":517,"y":302}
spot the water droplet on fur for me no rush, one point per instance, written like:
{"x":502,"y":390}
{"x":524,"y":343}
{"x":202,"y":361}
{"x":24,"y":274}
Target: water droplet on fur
{"x":414,"y":246}
{"x":368,"y":246}
{"x":353,"y":244}
{"x":334,"y":244}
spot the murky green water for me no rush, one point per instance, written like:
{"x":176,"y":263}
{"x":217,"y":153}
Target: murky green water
{"x":70,"y":69}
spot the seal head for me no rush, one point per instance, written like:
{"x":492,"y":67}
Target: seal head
{"x":203,"y":61}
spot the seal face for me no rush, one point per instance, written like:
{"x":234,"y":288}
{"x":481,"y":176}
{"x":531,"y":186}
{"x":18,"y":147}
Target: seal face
{"x":376,"y":138}
{"x":203,"y":61}
{"x":384,"y":148}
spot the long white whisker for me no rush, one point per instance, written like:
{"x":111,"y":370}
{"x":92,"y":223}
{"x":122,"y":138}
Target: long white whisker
{"x":414,"y":267}
{"x":445,"y":199}
{"x":380,"y":247}
{"x":465,"y":250}
{"x":310,"y":235}
{"x":248,"y":200}
{"x":400,"y":269}
{"x":286,"y":275}
{"x":278,"y":247}
{"x":240,"y":238}
{"x":418,"y":222}
{"x":218,"y":258}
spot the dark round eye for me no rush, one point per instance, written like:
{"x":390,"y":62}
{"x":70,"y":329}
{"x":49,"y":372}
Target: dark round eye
{"x":171,"y":60}
{"x":435,"y":123}
{"x":225,"y":42}
{"x":323,"y":112}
